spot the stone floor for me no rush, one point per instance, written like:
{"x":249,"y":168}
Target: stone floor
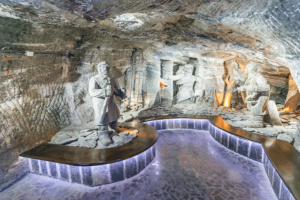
{"x":184,"y":168}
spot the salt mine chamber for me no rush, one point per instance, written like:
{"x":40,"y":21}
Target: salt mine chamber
{"x":149,"y":100}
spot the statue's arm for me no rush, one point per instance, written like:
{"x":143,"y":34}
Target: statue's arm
{"x":175,"y":77}
{"x":261,"y":85}
{"x":94,"y":91}
{"x":204,"y":77}
{"x":243,"y":88}
{"x":117,"y":90}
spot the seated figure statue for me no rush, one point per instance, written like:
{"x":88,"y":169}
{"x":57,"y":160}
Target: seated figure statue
{"x":257,"y":89}
{"x":103,"y":88}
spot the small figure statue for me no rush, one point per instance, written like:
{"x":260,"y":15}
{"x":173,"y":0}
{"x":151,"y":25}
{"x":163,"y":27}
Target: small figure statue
{"x":257,"y":89}
{"x":200,"y":86}
{"x":203,"y":86}
{"x":185,"y":80}
{"x":102,"y":88}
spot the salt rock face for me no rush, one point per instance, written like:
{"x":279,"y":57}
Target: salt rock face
{"x":285,"y":138}
{"x":44,"y":93}
{"x":128,"y":21}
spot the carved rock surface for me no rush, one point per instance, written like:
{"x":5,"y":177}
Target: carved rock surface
{"x":46,"y":92}
{"x":285,"y":137}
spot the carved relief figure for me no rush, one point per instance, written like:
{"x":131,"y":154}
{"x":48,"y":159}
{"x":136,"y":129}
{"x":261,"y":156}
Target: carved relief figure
{"x":200,"y":85}
{"x":185,"y":80}
{"x":257,"y":89}
{"x":103,"y":88}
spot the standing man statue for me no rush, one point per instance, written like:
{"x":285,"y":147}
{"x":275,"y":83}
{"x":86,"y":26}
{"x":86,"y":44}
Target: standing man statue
{"x":103,"y":88}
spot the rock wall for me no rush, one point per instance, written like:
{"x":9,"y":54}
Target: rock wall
{"x":34,"y":93}
{"x":32,"y":107}
{"x":36,"y":102}
{"x":39,"y":95}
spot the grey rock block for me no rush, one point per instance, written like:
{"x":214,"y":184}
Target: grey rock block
{"x":44,"y":169}
{"x":117,"y":171}
{"x":53,"y":169}
{"x":87,"y":176}
{"x":191,"y":123}
{"x":35,"y":165}
{"x":184,"y":123}
{"x":148,"y":156}
{"x":233,"y":143}
{"x":224,"y":139}
{"x":130,"y":167}
{"x":158,"y":125}
{"x":285,"y":137}
{"x":64,"y":174}
{"x":141,"y":162}
{"x":256,"y":151}
{"x":101,"y":174}
{"x":75,"y":174}
{"x":198,"y":124}
{"x":243,"y":146}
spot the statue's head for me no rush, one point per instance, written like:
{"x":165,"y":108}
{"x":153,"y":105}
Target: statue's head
{"x":103,"y":68}
{"x":251,"y":68}
{"x":189,"y":69}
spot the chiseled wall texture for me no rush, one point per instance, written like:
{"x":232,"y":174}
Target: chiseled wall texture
{"x":32,"y":90}
{"x":32,"y":107}
{"x":41,"y":94}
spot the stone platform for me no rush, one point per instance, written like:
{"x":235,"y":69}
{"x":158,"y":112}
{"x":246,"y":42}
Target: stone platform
{"x":95,"y":167}
{"x":94,"y":175}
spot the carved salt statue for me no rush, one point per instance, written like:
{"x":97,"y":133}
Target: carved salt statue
{"x":200,"y":85}
{"x":257,"y":89}
{"x":204,"y":84}
{"x":103,"y":88}
{"x":185,"y":80}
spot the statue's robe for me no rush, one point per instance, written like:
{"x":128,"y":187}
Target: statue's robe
{"x":97,"y":90}
{"x":186,"y":88}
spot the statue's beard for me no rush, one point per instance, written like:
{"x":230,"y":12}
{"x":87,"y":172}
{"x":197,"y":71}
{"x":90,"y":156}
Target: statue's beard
{"x":103,"y":73}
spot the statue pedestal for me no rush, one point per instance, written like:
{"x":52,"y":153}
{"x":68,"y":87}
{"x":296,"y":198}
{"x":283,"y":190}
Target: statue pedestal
{"x":95,"y":167}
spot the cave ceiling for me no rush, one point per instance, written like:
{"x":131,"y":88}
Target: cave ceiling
{"x":245,"y":30}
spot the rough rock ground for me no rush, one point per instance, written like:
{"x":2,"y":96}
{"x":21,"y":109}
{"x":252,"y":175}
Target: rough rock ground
{"x":86,"y":135}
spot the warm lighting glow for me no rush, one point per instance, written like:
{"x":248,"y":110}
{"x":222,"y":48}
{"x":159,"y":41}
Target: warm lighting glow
{"x":219,"y":98}
{"x":161,"y":84}
{"x":227,"y":100}
{"x":287,"y":108}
